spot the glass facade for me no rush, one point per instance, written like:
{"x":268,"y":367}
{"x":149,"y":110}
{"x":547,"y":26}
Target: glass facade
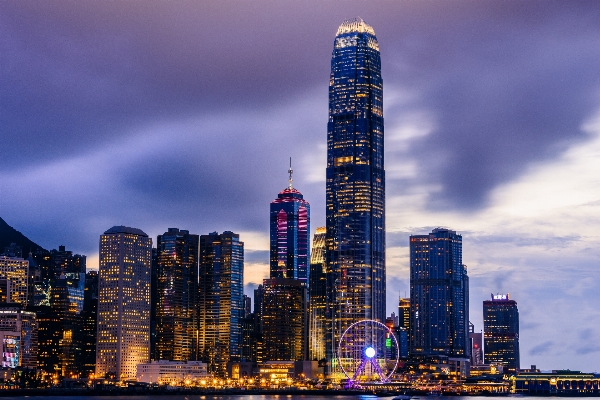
{"x":355,"y":187}
{"x":501,"y":332}
{"x":284,"y":319}
{"x":290,"y":227}
{"x":176,"y":296}
{"x":318,"y":297}
{"x":439,"y":295}
{"x":221,"y":300}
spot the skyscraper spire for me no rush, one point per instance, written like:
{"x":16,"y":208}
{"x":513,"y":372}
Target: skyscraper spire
{"x":290,"y":171}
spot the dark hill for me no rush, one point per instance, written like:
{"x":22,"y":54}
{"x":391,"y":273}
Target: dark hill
{"x":9,"y":235}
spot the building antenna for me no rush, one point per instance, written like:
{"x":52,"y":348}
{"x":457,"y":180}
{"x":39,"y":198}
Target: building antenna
{"x":290,"y":171}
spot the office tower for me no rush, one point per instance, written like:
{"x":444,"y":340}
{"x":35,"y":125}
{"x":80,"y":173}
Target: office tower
{"x":247,"y":306}
{"x":177,"y":296}
{"x":355,"y":186}
{"x":439,"y":295}
{"x":221,"y":302}
{"x":476,"y":344}
{"x":501,"y":332}
{"x":14,"y":272}
{"x":318,"y":297}
{"x":89,"y":318}
{"x":404,"y":313}
{"x":123,"y":339}
{"x":284,"y":319}
{"x":66,"y":305}
{"x":290,"y":230}
{"x":18,"y":336}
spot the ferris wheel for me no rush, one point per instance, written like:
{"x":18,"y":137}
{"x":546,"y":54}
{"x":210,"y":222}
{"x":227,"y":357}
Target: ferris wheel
{"x":368,"y":352}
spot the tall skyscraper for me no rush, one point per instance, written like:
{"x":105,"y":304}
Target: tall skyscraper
{"x":355,"y":187}
{"x":284,"y":319}
{"x":290,"y":231}
{"x":501,"y":332}
{"x":221,"y":299}
{"x":318,"y":298}
{"x":439,"y":295}
{"x":123,"y":339}
{"x":177,"y":296}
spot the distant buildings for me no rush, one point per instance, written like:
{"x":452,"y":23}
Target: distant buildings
{"x":355,"y":182}
{"x":123,"y":302}
{"x":439,"y":296}
{"x":501,"y":332}
{"x":177,"y":296}
{"x":221,"y":301}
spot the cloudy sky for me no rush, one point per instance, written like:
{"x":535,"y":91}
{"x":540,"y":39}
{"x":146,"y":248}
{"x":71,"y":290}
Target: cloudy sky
{"x":184,"y":114}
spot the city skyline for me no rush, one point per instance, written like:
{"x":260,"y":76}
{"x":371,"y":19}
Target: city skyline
{"x":491,"y":123}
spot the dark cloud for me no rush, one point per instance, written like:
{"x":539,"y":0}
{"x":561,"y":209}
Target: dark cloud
{"x":542,"y":348}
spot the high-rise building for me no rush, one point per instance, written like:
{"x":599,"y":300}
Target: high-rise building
{"x":123,"y":339}
{"x":284,"y":319}
{"x":14,"y":274}
{"x":318,"y":297}
{"x":355,"y":186}
{"x":177,"y":296}
{"x":89,"y":318}
{"x":476,"y":343}
{"x":439,"y":295}
{"x":501,"y":332}
{"x":221,"y":301}
{"x":290,"y":231}
{"x":18,"y":336}
{"x":404,"y":313}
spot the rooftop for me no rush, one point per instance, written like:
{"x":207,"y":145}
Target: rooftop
{"x":126,"y":229}
{"x":355,"y":25}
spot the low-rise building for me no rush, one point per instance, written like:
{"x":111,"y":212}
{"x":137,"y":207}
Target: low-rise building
{"x":168,"y":372}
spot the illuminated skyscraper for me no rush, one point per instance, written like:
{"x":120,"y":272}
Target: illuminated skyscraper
{"x":123,"y":302}
{"x":177,"y":296}
{"x":221,"y":300}
{"x":290,"y":229}
{"x":501,"y":332}
{"x":355,"y":195}
{"x":439,"y":296}
{"x":284,"y":319}
{"x":318,"y":297}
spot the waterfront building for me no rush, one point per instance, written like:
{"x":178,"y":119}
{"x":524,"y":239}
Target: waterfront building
{"x":123,"y":339}
{"x":284,"y":319}
{"x":221,"y":301}
{"x":14,"y":272}
{"x":175,"y":373}
{"x":289,"y":234}
{"x":318,"y":298}
{"x":501,"y":332}
{"x":439,"y":296}
{"x":355,"y":182}
{"x":177,"y":296}
{"x":18,"y":336}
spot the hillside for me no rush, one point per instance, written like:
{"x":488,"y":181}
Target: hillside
{"x":9,"y":235}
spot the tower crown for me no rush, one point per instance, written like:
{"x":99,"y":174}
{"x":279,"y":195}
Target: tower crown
{"x":355,"y":25}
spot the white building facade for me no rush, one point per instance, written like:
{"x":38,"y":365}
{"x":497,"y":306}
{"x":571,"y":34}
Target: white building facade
{"x":172,"y":372}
